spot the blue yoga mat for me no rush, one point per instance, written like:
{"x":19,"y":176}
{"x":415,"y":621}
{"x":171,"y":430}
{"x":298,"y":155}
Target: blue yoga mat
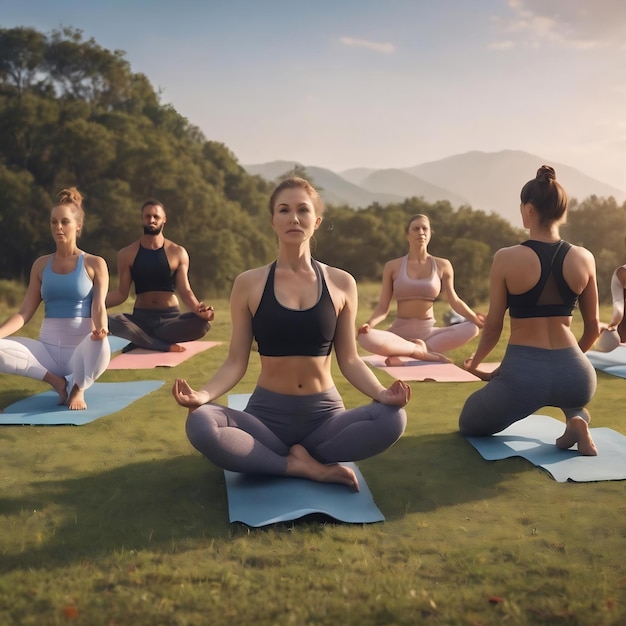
{"x":613,"y":362}
{"x":102,"y":399}
{"x":117,"y":343}
{"x":533,"y":439}
{"x":616,"y":370}
{"x":261,"y":500}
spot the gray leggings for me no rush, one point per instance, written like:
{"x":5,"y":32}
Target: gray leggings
{"x":158,"y":329}
{"x":257,"y":440}
{"x":530,"y":378}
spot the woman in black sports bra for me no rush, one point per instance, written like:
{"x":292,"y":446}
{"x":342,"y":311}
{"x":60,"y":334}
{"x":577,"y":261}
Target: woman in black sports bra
{"x":540,"y":281}
{"x":297,"y":309}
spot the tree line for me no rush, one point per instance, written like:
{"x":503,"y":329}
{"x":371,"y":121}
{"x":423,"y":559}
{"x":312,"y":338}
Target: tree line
{"x":362,"y":241}
{"x":74,"y":114}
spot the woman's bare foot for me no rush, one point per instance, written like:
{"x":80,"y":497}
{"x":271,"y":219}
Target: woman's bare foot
{"x":76,"y":401}
{"x":577,"y":432}
{"x":394,"y":361}
{"x":301,"y":463}
{"x":59,"y":384}
{"x":422,"y":353}
{"x":176,"y":347}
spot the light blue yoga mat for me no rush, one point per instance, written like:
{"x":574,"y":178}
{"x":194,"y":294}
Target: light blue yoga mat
{"x":613,"y":362}
{"x":117,"y":343}
{"x":261,"y":500}
{"x":102,"y":399}
{"x":616,"y":370}
{"x":533,"y":439}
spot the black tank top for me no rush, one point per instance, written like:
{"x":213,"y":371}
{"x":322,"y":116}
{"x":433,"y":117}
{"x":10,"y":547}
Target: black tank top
{"x":280,"y":331}
{"x":551,"y":296}
{"x":151,"y":271}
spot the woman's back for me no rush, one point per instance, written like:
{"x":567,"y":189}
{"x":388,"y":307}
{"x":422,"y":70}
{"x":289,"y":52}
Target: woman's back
{"x":521,"y":272}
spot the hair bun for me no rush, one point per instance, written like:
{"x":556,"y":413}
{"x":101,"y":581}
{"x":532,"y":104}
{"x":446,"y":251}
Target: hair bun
{"x":70,"y":196}
{"x":545,"y":174}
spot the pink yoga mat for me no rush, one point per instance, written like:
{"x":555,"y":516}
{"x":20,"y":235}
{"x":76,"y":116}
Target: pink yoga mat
{"x":427,"y":371}
{"x":147,"y":359}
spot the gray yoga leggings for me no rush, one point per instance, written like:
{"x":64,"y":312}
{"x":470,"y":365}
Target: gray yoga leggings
{"x":530,"y":378}
{"x":257,"y":440}
{"x":158,"y":329}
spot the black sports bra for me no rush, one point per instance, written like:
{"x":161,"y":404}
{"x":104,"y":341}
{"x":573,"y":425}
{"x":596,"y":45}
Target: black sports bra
{"x":551,"y":296}
{"x":151,"y":271}
{"x":280,"y":331}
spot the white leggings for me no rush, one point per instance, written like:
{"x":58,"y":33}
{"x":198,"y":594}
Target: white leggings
{"x":64,"y":348}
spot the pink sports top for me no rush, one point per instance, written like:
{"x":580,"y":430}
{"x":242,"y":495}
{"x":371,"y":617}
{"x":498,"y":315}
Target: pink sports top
{"x":407,"y":288}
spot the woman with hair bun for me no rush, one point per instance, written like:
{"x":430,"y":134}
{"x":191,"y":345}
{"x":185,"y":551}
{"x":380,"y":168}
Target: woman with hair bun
{"x":540,"y":281}
{"x":73,"y":337}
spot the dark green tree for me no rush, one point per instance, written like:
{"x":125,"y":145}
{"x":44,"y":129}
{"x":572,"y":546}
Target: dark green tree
{"x":73,"y":113}
{"x":599,"y":224}
{"x":21,"y":56}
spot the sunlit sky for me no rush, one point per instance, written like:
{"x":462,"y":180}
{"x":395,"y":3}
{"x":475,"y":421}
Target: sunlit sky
{"x":376,"y":83}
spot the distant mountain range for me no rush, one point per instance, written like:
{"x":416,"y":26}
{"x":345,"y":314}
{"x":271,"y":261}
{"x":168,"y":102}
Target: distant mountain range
{"x":487,"y":181}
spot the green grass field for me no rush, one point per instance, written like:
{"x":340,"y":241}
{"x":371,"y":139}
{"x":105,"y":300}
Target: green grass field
{"x":122,"y":522}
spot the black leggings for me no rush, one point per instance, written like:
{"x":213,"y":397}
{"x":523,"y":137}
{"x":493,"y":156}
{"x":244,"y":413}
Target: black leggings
{"x":158,"y":329}
{"x":530,"y":378}
{"x":257,"y":440}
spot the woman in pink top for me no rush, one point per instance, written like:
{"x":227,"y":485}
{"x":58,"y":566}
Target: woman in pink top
{"x":415,"y":280}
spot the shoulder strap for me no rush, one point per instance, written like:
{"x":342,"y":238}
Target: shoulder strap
{"x":557,"y":250}
{"x":558,"y":257}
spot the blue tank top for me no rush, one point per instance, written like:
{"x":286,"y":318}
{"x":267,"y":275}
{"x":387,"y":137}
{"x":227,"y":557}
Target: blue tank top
{"x":551,"y":296}
{"x":407,"y":288}
{"x":280,"y":331}
{"x":151,"y":271}
{"x":67,"y":295}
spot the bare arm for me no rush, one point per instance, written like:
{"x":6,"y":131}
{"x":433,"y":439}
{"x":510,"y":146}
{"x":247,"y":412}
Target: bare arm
{"x":32,"y":300}
{"x":381,"y":310}
{"x":124,"y":279}
{"x":588,"y":306}
{"x":100,"y":278}
{"x":352,"y":367}
{"x":494,"y":321}
{"x":457,"y":305}
{"x":236,"y":363}
{"x":184,"y":290}
{"x":618,"y":284}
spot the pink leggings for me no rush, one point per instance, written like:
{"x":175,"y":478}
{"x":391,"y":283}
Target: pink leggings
{"x":442,"y":339}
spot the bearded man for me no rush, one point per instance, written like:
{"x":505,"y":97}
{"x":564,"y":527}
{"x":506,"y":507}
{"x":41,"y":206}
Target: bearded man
{"x":159,"y":269}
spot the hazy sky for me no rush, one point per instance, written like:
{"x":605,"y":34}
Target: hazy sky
{"x":376,"y":83}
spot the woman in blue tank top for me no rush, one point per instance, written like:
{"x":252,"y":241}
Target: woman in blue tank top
{"x":72,"y":340}
{"x":540,"y":281}
{"x":297,"y":309}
